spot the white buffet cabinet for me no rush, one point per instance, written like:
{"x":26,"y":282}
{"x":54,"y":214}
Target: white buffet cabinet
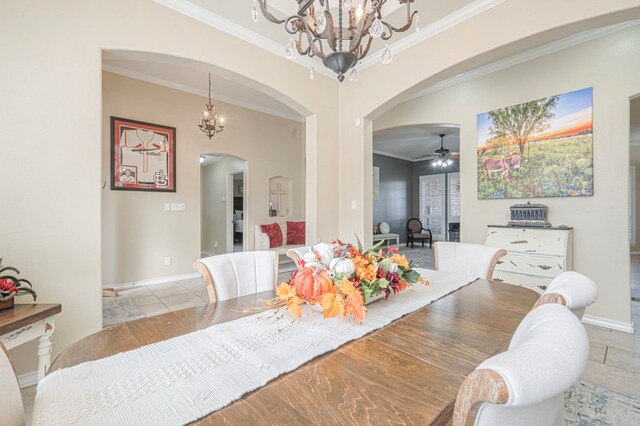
{"x":534,"y":255}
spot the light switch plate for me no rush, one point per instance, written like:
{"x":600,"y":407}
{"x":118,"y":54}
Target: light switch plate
{"x":167,"y":206}
{"x":354,"y":204}
{"x":178,"y":207}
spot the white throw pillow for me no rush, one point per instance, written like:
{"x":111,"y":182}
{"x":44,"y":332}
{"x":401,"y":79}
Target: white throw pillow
{"x":384,"y":228}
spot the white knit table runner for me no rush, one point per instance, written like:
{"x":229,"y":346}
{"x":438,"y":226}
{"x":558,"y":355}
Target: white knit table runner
{"x":180,"y":380}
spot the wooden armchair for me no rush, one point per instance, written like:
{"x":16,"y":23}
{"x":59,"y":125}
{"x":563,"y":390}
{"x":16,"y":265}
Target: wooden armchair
{"x":571,"y":289}
{"x":525,"y":386}
{"x":12,"y":408}
{"x":232,"y":275}
{"x":414,"y":233}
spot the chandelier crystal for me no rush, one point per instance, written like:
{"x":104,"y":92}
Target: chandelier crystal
{"x":210,"y":121}
{"x":340,"y":36}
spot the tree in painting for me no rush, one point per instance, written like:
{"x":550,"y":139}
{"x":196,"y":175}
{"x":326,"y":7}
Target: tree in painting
{"x":557,"y":132}
{"x":520,"y":122}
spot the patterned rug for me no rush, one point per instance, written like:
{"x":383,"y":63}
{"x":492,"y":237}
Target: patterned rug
{"x":590,"y":404}
{"x":122,"y":311}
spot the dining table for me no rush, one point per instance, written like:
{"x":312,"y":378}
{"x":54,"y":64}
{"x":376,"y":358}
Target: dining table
{"x":408,"y":372}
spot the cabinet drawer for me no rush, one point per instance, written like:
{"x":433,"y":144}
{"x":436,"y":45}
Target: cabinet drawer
{"x":538,"y":284}
{"x":543,"y":241}
{"x":543,"y":266}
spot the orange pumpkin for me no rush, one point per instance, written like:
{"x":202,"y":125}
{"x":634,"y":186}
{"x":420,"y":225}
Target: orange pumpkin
{"x":312,"y":283}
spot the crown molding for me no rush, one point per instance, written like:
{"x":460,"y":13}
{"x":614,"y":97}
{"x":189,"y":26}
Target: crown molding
{"x":433,"y":29}
{"x":214,"y":20}
{"x":225,"y":25}
{"x":195,"y":91}
{"x":389,"y":154}
{"x":529,"y":55}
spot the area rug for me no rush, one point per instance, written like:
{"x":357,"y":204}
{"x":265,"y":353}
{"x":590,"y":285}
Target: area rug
{"x":120,"y":311}
{"x":590,"y":404}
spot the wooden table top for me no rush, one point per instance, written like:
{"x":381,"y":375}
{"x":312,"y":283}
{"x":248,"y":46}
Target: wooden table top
{"x":408,"y":372}
{"x":25,"y":314}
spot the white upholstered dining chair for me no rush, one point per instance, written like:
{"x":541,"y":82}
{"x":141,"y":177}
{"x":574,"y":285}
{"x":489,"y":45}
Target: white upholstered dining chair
{"x":464,"y":258}
{"x":232,"y":275}
{"x":571,"y":289}
{"x":296,"y":254}
{"x":525,"y":385}
{"x":12,"y":408}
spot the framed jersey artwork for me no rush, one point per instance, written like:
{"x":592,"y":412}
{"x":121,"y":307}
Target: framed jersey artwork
{"x":143,"y":156}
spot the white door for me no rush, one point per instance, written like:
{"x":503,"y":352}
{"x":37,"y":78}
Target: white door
{"x":432,"y":205}
{"x":453,"y":186}
{"x":632,"y":205}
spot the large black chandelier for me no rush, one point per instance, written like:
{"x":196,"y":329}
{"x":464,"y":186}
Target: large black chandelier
{"x":314,"y":31}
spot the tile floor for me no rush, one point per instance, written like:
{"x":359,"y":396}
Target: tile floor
{"x":614,"y":358}
{"x":163,"y":298}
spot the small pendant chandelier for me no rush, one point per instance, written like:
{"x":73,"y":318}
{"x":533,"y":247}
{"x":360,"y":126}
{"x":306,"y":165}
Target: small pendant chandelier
{"x":210,"y":121}
{"x":341,"y":36}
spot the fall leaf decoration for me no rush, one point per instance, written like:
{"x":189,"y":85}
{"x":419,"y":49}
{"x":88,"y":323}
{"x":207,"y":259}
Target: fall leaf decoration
{"x":341,"y":278}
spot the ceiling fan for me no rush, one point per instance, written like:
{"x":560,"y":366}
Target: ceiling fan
{"x":442,"y":157}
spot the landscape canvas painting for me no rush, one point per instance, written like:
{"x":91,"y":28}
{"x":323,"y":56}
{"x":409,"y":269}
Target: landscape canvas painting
{"x":541,"y":148}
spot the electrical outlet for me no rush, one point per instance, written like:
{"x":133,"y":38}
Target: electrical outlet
{"x":354,"y":204}
{"x":167,"y":261}
{"x":215,"y":245}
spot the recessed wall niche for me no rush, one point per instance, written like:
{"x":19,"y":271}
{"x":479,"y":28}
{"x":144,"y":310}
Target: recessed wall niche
{"x":280,"y":199}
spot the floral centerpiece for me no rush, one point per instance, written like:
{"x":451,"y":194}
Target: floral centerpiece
{"x":12,"y":286}
{"x":340,"y":279}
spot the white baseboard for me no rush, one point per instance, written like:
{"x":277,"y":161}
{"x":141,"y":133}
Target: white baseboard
{"x":28,"y":379}
{"x":606,"y":323}
{"x":153,"y":281}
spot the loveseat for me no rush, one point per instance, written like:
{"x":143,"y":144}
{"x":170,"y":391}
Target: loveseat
{"x":288,"y":240}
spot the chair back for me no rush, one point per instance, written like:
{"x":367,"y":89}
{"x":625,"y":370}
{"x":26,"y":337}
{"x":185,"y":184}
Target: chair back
{"x":571,"y":289}
{"x":414,"y":226}
{"x":464,"y":258}
{"x":296,"y":254}
{"x":238,"y":274}
{"x":525,"y":385}
{"x":12,"y":408}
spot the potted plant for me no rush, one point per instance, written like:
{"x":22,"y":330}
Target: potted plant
{"x":12,"y":286}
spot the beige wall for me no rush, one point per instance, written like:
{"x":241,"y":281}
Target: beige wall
{"x":137,"y":233}
{"x":634,"y":160}
{"x":214,"y":212}
{"x":52,"y":70}
{"x":51,"y":66}
{"x":604,"y":259}
{"x":503,"y":30}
